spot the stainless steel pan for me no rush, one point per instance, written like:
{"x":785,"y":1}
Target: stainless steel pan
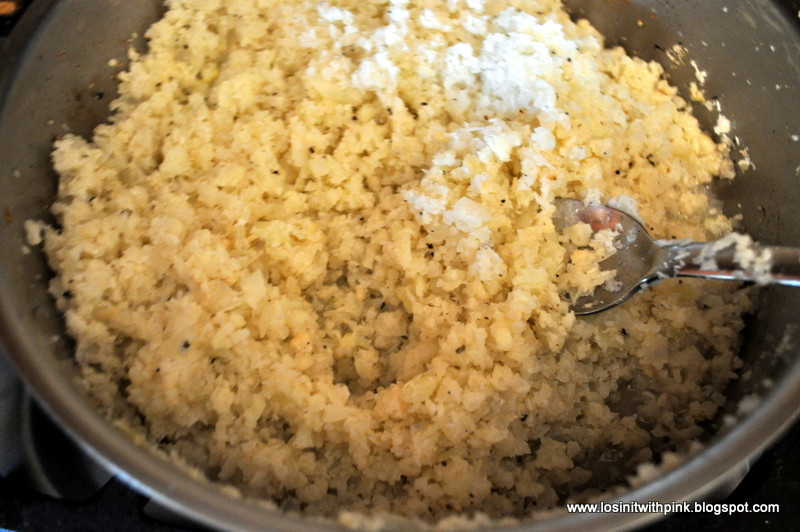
{"x":55,"y":77}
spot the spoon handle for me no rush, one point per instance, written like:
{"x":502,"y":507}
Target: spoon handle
{"x":734,"y":258}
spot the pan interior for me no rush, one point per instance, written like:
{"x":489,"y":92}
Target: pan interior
{"x":749,"y":50}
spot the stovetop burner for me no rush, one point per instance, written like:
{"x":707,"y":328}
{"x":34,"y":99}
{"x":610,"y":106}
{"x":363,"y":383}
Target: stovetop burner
{"x":10,"y":11}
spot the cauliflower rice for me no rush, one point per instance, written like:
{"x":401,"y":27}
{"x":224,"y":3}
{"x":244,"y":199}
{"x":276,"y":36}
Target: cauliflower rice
{"x":312,"y":254}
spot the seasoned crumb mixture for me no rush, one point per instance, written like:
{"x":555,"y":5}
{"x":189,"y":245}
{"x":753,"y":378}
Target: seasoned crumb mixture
{"x":312,"y":254}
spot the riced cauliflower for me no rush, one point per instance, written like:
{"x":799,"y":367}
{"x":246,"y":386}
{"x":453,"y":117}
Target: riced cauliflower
{"x":312,"y":254}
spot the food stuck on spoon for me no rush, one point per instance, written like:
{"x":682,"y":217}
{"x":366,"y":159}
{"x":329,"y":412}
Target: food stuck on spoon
{"x":640,"y":260}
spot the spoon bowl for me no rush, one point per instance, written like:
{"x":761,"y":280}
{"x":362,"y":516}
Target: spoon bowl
{"x":640,"y":260}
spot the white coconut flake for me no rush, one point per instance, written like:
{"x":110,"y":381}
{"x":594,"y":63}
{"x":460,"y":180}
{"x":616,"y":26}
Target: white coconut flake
{"x":467,"y":215}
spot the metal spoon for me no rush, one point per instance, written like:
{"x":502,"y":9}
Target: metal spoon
{"x":641,"y":260}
